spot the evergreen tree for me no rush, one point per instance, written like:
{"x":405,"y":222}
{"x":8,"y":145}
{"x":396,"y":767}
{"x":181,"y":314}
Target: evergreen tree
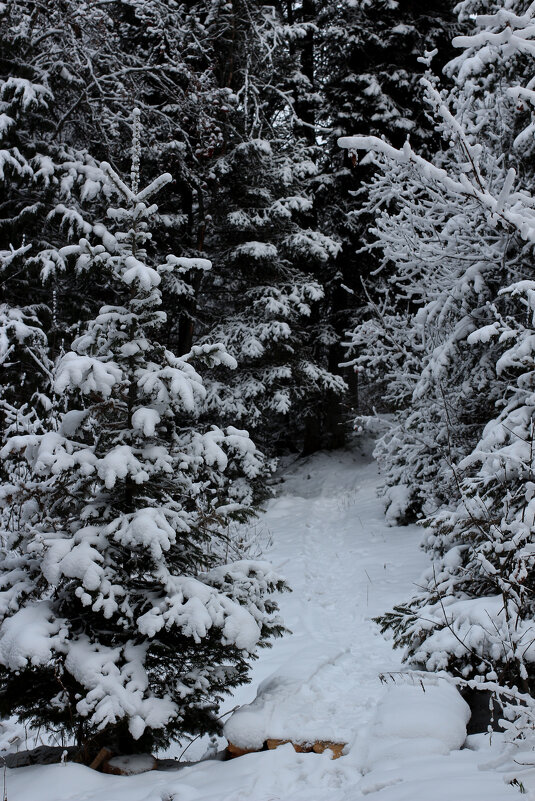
{"x":65,"y":71}
{"x":268,"y":294}
{"x":23,"y":343}
{"x":121,"y":622}
{"x":262,"y":234}
{"x":447,"y":264}
{"x":473,"y":614}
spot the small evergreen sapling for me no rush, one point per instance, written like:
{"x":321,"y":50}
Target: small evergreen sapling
{"x":120,"y":623}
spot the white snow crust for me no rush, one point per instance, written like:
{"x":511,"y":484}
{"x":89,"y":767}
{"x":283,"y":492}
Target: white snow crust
{"x":346,"y":565}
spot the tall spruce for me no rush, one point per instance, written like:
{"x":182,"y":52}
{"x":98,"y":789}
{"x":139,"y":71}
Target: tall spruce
{"x":262,"y":233}
{"x":65,"y":71}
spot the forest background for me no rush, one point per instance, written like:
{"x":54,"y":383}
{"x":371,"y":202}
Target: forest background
{"x":390,"y":290}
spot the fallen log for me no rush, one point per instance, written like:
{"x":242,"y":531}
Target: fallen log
{"x":270,"y":744}
{"x":322,"y":745}
{"x":103,"y":755}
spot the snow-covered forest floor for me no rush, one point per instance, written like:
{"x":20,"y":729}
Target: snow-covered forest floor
{"x":325,"y":532}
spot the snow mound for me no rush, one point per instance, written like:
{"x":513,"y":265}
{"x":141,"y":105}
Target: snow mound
{"x":131,"y":765}
{"x":298,"y":702}
{"x":428,"y":718}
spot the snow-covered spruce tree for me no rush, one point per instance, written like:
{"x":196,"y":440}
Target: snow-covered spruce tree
{"x":121,"y":624}
{"x":40,"y":175}
{"x":262,"y":235}
{"x":24,"y":97}
{"x":370,"y":66}
{"x":27,"y":176}
{"x":26,"y":371}
{"x":268,"y":295}
{"x":369,"y":69}
{"x":302,"y":80}
{"x":65,"y":70}
{"x":474,"y":613}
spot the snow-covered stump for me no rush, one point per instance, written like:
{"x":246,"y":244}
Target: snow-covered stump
{"x":424,"y":715}
{"x":417,"y":709}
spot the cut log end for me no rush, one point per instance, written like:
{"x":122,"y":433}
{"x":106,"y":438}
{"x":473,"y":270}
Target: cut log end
{"x":235,"y":751}
{"x":301,"y":748}
{"x":322,"y":745}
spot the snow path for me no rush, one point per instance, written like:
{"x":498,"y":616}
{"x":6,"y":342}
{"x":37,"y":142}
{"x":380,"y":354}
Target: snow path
{"x":345,"y":566}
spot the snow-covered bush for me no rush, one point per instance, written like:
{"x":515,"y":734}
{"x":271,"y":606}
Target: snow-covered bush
{"x":473,"y":614}
{"x":446,"y":252}
{"x":119,"y":621}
